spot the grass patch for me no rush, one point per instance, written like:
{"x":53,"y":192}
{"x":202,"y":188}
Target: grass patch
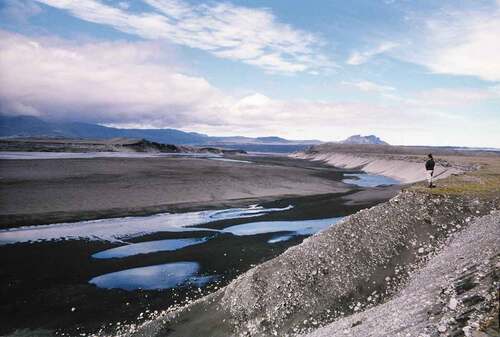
{"x":484,"y":181}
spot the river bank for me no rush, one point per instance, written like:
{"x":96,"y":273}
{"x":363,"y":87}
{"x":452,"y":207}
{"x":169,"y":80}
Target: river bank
{"x":404,"y":163}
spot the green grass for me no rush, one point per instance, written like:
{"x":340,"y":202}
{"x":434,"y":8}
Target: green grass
{"x":483,"y":182}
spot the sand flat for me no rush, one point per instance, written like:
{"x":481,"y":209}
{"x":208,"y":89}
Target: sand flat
{"x":58,"y":190}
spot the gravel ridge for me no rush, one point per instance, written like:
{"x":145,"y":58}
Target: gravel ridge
{"x":454,"y":294}
{"x":357,"y":263}
{"x":346,"y":269}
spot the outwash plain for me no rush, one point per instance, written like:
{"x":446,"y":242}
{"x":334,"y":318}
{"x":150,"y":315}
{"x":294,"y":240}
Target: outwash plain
{"x":424,"y":263}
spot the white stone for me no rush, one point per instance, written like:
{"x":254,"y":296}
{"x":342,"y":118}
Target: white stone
{"x":453,"y":303}
{"x":467,"y":331}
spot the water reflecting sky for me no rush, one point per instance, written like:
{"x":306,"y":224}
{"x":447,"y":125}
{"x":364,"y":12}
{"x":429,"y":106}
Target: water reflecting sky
{"x":148,"y":247}
{"x":119,"y":229}
{"x":369,"y":180}
{"x":163,"y":276}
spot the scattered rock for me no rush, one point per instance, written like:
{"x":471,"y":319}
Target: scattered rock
{"x":356,"y":324}
{"x":453,"y":303}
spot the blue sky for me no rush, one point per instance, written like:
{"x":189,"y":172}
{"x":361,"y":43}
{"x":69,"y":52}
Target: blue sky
{"x":411,"y":72}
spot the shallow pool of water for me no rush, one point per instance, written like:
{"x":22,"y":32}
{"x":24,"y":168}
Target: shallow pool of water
{"x":291,"y":228}
{"x":120,"y":229}
{"x":231,"y":160}
{"x":148,"y":247}
{"x":300,"y":227}
{"x":164,"y":276}
{"x":368,"y":180}
{"x":167,"y":276}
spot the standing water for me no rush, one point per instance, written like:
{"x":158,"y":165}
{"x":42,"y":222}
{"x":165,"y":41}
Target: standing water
{"x":83,"y":276}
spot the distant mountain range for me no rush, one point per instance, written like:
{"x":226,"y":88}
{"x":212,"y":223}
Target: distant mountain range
{"x":358,"y":139}
{"x":28,"y":126}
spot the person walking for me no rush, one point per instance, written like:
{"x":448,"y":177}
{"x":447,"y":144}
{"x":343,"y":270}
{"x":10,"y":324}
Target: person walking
{"x":429,"y":167}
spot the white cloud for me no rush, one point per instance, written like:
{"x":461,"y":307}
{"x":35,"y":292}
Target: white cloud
{"x":134,"y":83}
{"x":253,"y":36}
{"x":370,"y":86}
{"x":100,"y":82}
{"x":459,"y":43}
{"x":446,"y":98}
{"x":124,"y":83}
{"x":130,"y":83}
{"x":360,"y":57}
{"x":459,"y":97}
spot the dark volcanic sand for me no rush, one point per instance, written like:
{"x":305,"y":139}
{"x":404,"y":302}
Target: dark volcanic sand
{"x":42,"y":282}
{"x":59,"y":190}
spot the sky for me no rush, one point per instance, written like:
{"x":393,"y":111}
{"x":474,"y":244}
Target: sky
{"x":421,"y":72}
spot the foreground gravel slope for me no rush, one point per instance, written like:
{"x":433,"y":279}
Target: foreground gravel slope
{"x":355,"y":265}
{"x":455,"y":294}
{"x":336,"y":272}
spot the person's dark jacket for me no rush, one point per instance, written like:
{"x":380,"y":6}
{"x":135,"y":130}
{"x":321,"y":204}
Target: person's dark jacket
{"x":429,"y":165}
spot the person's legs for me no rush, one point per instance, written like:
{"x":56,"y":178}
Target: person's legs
{"x":429,"y":177}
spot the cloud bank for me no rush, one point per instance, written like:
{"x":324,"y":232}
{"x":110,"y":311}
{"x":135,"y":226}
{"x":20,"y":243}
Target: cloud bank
{"x":130,"y":83}
{"x":469,"y":47}
{"x":137,"y":84}
{"x":369,"y":86}
{"x":252,"y":36}
{"x":99,"y":82}
{"x":458,"y":42}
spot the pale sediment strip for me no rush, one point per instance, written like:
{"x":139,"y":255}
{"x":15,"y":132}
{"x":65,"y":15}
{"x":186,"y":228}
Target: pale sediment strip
{"x":403,"y":170}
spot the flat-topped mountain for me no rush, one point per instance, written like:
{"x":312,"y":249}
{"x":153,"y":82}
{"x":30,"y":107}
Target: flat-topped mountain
{"x":358,"y":139}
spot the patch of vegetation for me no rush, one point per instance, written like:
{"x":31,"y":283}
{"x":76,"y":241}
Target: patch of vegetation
{"x":484,"y":181}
